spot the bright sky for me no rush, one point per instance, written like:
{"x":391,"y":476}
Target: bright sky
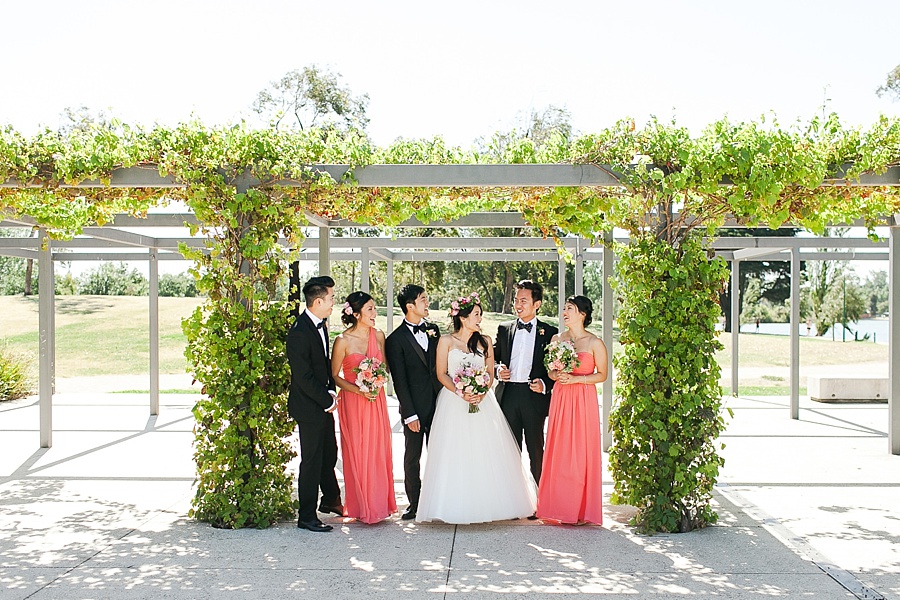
{"x":460,"y":72}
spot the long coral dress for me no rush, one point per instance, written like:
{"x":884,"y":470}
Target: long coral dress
{"x":366,"y":447}
{"x":571,"y":478}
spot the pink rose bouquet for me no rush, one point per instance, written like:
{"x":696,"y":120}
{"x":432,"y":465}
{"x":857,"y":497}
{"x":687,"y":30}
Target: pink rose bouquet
{"x":561,"y":356}
{"x":371,"y":376}
{"x":472,"y":380}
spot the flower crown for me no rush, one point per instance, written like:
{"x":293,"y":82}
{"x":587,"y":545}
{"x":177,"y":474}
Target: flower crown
{"x":464,"y":302}
{"x":348,"y":310}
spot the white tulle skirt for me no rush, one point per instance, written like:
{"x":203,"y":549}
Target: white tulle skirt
{"x":473,"y":471}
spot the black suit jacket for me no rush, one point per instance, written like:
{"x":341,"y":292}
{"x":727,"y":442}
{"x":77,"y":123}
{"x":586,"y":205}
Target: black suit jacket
{"x":413,"y":372}
{"x":503,"y":352}
{"x":310,"y":373}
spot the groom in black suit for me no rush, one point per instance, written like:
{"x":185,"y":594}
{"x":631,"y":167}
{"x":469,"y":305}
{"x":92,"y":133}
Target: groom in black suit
{"x":411,"y":351}
{"x":523,"y":389}
{"x":311,"y":402}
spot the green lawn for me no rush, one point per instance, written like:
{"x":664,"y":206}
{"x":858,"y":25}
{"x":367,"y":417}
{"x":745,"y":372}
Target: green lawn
{"x":108,"y":335}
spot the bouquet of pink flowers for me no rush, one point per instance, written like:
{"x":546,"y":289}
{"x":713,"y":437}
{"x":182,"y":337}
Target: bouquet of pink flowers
{"x":472,"y":380}
{"x":561,"y":356}
{"x":371,"y":376}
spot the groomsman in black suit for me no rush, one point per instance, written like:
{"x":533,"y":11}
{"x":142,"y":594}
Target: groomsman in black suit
{"x":411,"y":350}
{"x":311,"y":402}
{"x":523,"y":389}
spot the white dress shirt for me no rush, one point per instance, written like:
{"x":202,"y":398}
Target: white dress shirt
{"x":522,"y":352}
{"x":323,"y":333}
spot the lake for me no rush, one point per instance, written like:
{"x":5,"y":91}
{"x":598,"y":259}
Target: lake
{"x":876,"y":328}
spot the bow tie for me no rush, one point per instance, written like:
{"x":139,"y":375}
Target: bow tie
{"x":417,"y":328}
{"x":525,"y":326}
{"x":321,"y":324}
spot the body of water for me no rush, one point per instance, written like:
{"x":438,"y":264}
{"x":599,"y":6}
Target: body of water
{"x":876,"y":328}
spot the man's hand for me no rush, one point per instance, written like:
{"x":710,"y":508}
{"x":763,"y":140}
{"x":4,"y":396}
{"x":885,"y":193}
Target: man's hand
{"x":414,"y":426}
{"x":504,"y":373}
{"x":537,"y":385}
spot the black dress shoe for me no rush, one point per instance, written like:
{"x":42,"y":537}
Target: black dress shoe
{"x":317,"y":526}
{"x":533,"y":517}
{"x":409,"y":514}
{"x":336,"y":509}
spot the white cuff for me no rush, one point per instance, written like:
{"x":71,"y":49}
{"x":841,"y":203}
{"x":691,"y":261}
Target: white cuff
{"x":409,"y":420}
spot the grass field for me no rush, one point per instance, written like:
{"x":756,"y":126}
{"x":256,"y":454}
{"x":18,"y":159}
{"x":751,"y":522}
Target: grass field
{"x":108,"y":335}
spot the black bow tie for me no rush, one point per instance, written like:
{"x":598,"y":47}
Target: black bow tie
{"x":321,"y":324}
{"x":525,"y":326}
{"x":417,"y":328}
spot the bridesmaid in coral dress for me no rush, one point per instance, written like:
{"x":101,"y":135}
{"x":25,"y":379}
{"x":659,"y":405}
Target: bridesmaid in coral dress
{"x":570,"y":489}
{"x":365,"y":427}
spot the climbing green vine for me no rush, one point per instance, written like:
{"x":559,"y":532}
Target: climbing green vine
{"x":675,"y":188}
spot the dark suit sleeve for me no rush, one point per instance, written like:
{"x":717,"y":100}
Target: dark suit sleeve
{"x":549,"y":332}
{"x":498,"y":344}
{"x":300,"y":357}
{"x":396,"y":359}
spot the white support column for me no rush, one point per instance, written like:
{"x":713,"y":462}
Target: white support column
{"x":735,"y":322}
{"x":46,"y":339}
{"x":390,"y":297}
{"x":893,"y":340}
{"x":154,"y":331}
{"x":579,"y":268}
{"x":324,"y":251}
{"x":53,"y":327}
{"x":609,"y":384}
{"x":364,"y":269}
{"x":562,"y":291}
{"x":795,"y":333}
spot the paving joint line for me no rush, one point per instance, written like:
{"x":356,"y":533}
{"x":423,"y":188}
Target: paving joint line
{"x":800,"y":545}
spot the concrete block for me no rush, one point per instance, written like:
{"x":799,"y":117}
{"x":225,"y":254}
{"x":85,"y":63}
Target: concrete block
{"x":848,"y":389}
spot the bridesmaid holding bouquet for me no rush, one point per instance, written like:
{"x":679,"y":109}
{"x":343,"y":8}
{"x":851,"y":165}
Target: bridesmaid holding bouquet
{"x":570,"y":488}
{"x":360,"y":372}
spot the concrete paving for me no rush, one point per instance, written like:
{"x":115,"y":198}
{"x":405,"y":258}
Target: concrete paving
{"x":807,"y":508}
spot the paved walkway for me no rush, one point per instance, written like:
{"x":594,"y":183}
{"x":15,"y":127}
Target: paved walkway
{"x":804,"y":506}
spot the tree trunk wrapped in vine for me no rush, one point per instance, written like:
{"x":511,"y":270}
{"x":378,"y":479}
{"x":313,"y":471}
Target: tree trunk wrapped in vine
{"x":668,"y":416}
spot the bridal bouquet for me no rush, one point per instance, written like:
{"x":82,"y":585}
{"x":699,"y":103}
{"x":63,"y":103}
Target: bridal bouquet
{"x":371,"y":375}
{"x":473,"y":380}
{"x":561,"y":356}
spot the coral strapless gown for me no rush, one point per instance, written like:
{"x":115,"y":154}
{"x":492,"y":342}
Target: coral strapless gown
{"x":571,"y":479}
{"x":366,"y":447}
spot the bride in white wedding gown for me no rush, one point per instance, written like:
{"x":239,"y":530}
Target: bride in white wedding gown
{"x":473,"y":472}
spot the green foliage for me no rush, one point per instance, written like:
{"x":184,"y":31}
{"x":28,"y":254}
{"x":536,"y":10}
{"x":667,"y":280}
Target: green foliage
{"x":111,"y":279}
{"x":668,"y":415}
{"x":240,"y":444}
{"x":891,"y":85}
{"x":15,"y":381}
{"x":181,"y":285}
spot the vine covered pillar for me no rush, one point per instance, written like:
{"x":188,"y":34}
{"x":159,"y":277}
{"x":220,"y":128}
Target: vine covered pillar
{"x":47,"y":338}
{"x":735,"y":287}
{"x":893,"y":339}
{"x":389,"y":300}
{"x":795,"y":333}
{"x":324,"y":251}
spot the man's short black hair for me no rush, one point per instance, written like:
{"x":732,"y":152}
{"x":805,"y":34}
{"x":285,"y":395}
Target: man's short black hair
{"x":409,"y":293}
{"x":537,"y":292}
{"x":317,"y":287}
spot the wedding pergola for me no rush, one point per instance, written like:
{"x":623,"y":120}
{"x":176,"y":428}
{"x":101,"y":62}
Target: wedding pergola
{"x":117,"y":241}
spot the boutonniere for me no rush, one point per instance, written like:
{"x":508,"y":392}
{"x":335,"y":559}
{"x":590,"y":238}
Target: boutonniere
{"x":540,"y":331}
{"x":431,"y":333}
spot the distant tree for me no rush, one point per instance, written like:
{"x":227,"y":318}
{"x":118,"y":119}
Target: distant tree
{"x":181,"y":285}
{"x":311,"y":96}
{"x":110,"y":279}
{"x":877,"y":292}
{"x":891,"y":85}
